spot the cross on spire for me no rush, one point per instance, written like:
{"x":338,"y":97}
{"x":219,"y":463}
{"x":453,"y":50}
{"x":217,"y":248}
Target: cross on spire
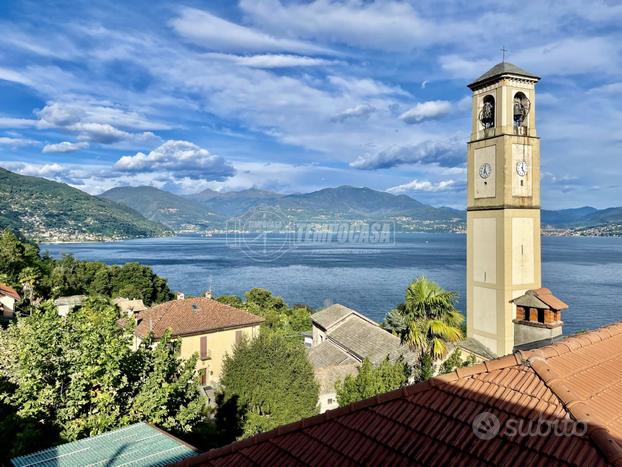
{"x":503,"y":52}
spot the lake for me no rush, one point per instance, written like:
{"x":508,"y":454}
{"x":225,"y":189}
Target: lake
{"x":585,"y":272}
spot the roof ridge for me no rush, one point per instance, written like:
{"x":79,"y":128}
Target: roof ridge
{"x":578,"y":409}
{"x":487,"y":366}
{"x":575,"y":341}
{"x":312,"y":421}
{"x":161,"y":316}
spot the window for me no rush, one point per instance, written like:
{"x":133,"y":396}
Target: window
{"x":487,"y":114}
{"x":204,"y":353}
{"x":203,"y":376}
{"x":238,"y":337}
{"x":330,"y":401}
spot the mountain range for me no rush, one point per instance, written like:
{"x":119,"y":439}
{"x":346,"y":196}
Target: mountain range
{"x":45,"y":210}
{"x":344,"y":203}
{"x":213,"y":209}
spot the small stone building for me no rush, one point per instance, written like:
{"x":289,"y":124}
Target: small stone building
{"x":538,"y":318}
{"x":342,"y":339}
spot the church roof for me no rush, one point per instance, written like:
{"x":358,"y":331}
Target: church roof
{"x":500,"y":69}
{"x":463,"y":417}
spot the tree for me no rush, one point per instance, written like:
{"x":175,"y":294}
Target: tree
{"x":371,"y":381}
{"x":29,"y":278}
{"x":277,"y":314}
{"x":267,"y":382}
{"x":77,"y":376}
{"x":454,"y":361}
{"x":430,"y":316}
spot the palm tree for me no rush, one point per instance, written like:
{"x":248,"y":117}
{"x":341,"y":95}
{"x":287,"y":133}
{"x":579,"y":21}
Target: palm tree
{"x":28,"y":278}
{"x":433,"y":320}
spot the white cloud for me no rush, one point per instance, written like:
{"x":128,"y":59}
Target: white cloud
{"x":364,"y":86}
{"x":426,"y":110}
{"x":93,"y":123}
{"x":6,"y":74}
{"x":574,"y":55}
{"x":36,"y":170}
{"x":272,"y":60}
{"x":182,"y":158}
{"x":214,"y":33}
{"x":423,"y":185}
{"x":104,"y":133}
{"x":4,"y":140}
{"x":386,"y":25}
{"x":447,"y":153}
{"x":64,"y":147}
{"x":356,"y":112}
{"x":10,"y":122}
{"x":61,"y":114}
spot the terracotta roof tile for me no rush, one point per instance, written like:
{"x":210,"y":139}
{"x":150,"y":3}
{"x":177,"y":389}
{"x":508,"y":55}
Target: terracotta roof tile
{"x":192,"y":316}
{"x":579,"y":379}
{"x":9,"y":291}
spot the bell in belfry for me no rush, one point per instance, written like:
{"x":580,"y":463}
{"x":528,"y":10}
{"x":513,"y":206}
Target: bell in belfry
{"x":521,"y":108}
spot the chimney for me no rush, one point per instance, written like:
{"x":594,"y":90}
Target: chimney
{"x":538,"y":318}
{"x":208,"y":294}
{"x":181,"y":296}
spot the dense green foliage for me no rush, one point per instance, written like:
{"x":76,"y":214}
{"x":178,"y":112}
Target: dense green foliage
{"x":428,"y":318}
{"x":278,"y":314}
{"x":37,"y":277}
{"x":67,"y":378}
{"x":267,"y":382}
{"x":454,"y":361}
{"x":40,"y":208}
{"x":371,"y":380}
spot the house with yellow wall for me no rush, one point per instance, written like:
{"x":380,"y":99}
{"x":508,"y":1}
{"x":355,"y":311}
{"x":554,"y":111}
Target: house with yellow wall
{"x":205,"y":326}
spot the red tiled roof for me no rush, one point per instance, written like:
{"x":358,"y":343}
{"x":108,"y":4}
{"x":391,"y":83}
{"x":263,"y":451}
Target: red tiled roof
{"x":551,"y":300}
{"x":9,"y":291}
{"x":192,"y":316}
{"x":578,"y":379}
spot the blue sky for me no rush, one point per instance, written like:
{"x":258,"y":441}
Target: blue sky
{"x":297,"y":96}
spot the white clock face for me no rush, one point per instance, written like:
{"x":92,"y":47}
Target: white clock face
{"x":521,"y":168}
{"x":485,"y":170}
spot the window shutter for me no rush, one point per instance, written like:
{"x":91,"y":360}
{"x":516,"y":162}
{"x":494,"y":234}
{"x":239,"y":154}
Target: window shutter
{"x":203,"y":347}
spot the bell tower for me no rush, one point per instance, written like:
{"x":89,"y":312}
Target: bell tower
{"x":503,"y":203}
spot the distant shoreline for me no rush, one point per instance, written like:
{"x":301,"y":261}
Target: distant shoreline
{"x":545,"y":233}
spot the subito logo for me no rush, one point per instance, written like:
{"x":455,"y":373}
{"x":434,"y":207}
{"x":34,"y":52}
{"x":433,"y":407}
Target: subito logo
{"x":486,"y":426}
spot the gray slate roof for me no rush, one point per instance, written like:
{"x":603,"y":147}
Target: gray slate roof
{"x":367,"y":340}
{"x":137,"y":445}
{"x":503,"y":68}
{"x":331,"y":315}
{"x":328,"y":377}
{"x":328,"y":354}
{"x":476,"y":347}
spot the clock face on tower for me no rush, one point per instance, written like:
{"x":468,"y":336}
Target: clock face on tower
{"x":521,"y":168}
{"x":485,"y":170}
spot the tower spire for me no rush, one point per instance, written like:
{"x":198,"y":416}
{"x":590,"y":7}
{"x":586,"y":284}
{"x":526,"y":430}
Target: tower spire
{"x":503,"y":52}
